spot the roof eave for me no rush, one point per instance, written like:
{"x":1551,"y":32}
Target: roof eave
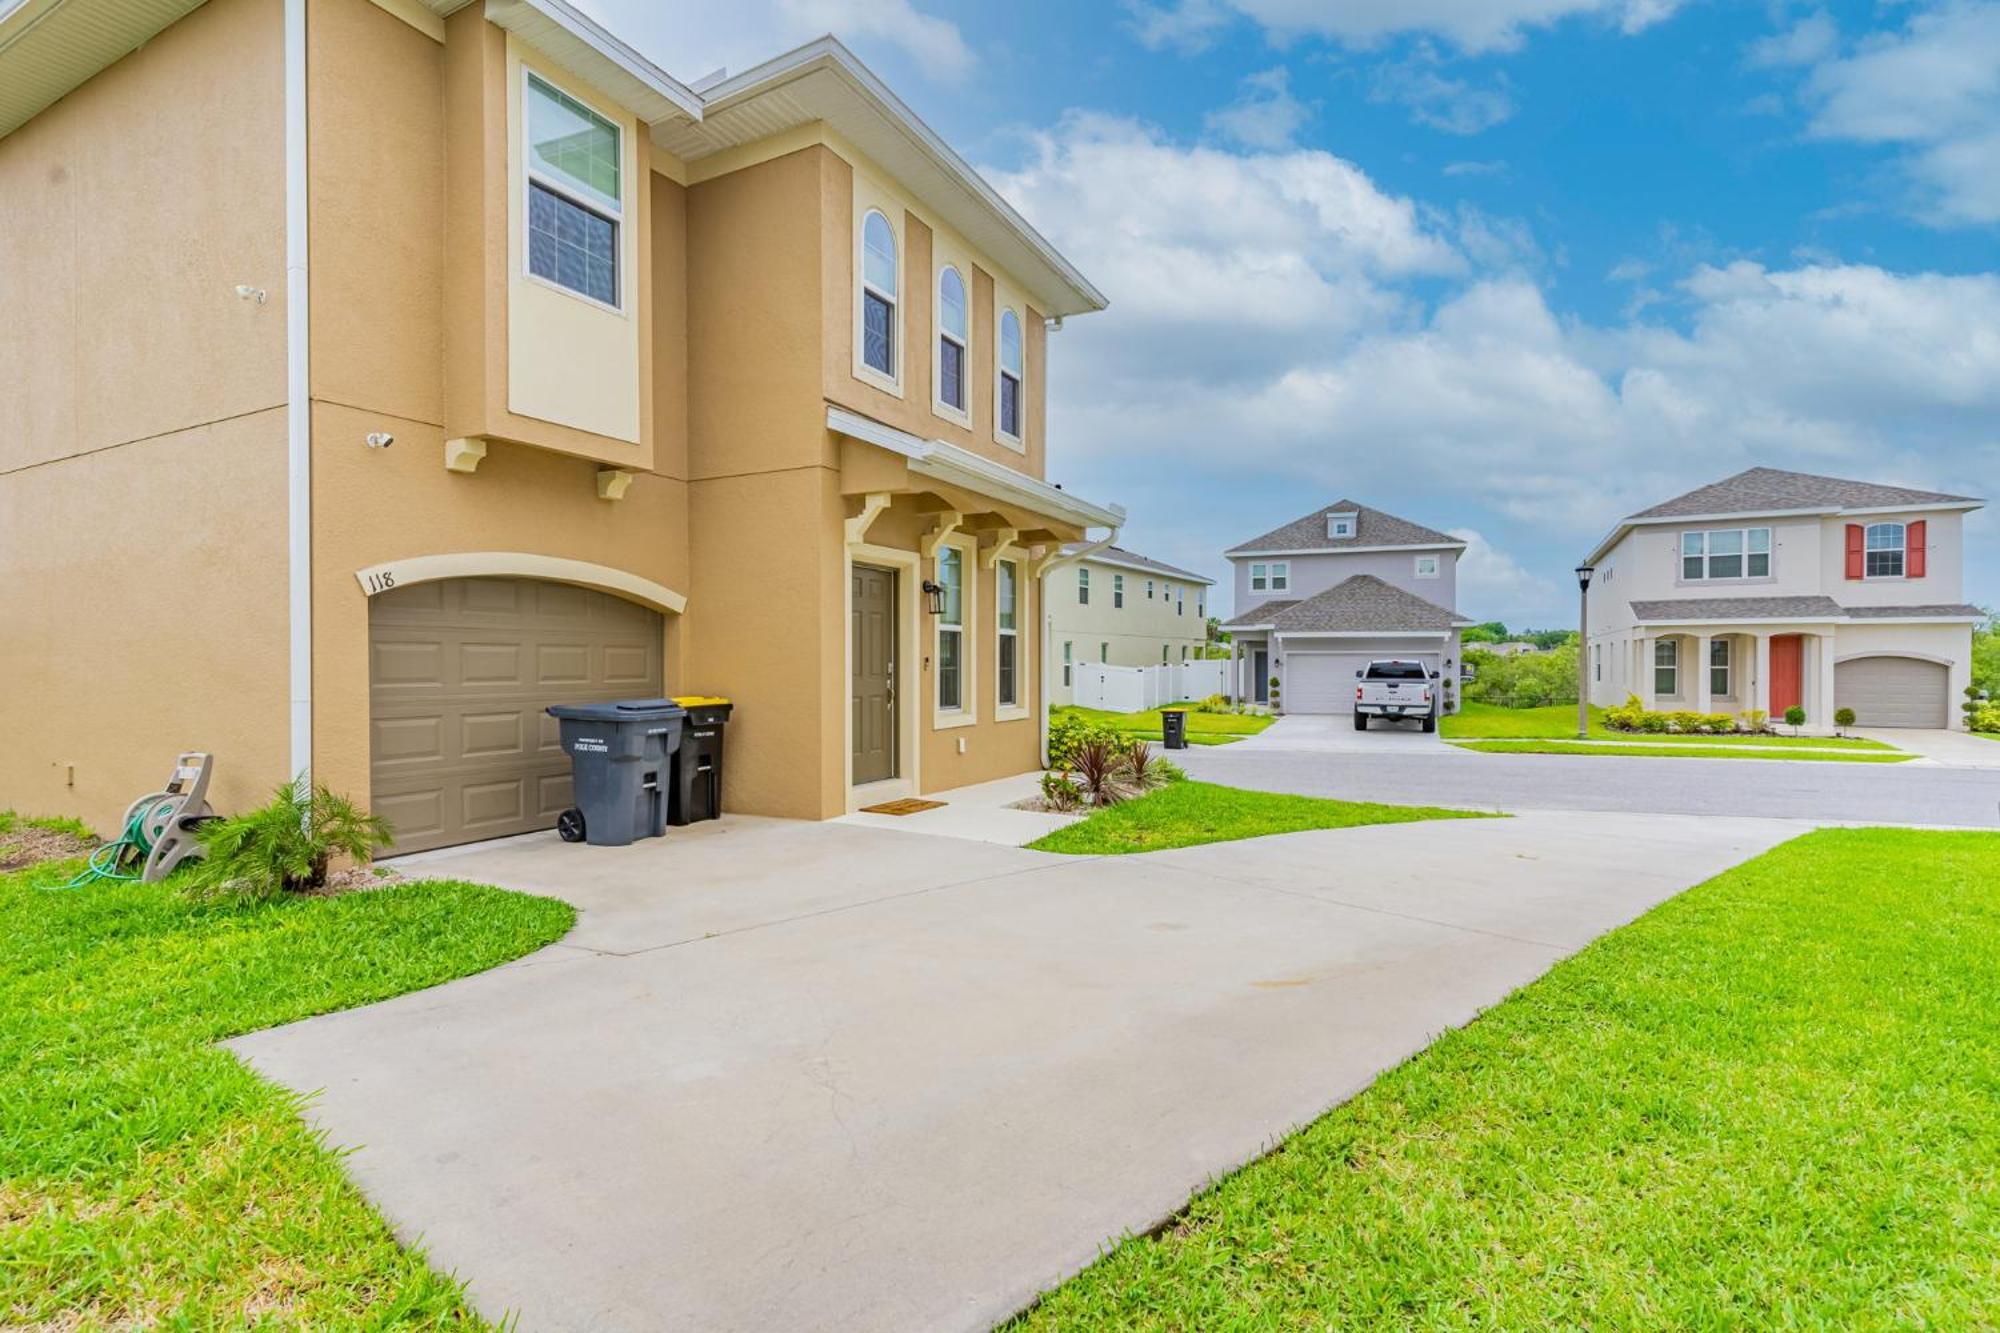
{"x":617,"y":61}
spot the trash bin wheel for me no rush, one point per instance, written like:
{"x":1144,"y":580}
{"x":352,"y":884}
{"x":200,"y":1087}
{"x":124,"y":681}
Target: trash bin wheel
{"x":569,"y":825}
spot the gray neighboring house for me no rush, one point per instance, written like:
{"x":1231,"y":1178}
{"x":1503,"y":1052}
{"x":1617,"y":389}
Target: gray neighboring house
{"x":1322,"y":596}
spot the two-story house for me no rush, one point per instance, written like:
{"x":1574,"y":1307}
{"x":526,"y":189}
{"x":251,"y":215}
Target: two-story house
{"x":1124,"y":609}
{"x":1324,"y":595}
{"x":378,"y":372}
{"x":1770,"y":590}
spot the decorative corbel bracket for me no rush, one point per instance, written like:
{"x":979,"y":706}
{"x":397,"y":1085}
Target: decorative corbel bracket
{"x":1003,"y":542}
{"x":872,"y":505}
{"x":948,"y":522}
{"x":612,"y":483}
{"x":464,"y":454}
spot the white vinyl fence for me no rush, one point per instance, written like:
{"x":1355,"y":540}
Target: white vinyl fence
{"x":1118,"y":689}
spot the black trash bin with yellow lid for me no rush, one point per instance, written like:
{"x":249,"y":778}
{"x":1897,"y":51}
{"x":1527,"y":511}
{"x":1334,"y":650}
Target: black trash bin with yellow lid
{"x":696,"y":790}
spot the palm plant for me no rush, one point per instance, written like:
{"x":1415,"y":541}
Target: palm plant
{"x":1098,"y":765}
{"x":284,"y":846}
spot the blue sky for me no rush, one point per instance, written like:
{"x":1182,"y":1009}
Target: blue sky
{"x":1507,"y":267}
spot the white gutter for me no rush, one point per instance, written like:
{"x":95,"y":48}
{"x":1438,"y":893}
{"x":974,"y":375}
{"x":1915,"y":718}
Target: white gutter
{"x":1048,"y":567}
{"x":298,"y":389}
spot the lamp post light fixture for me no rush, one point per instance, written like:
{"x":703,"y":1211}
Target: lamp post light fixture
{"x":1583,"y":576}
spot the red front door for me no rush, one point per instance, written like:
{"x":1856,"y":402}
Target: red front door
{"x":1788,"y":656}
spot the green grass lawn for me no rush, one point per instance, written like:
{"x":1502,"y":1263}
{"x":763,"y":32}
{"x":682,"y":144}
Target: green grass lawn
{"x":1648,"y":750}
{"x":1477,"y":721}
{"x":1187,"y":814}
{"x":1202,"y":728}
{"x":149,"y":1179}
{"x":1772,"y":1102}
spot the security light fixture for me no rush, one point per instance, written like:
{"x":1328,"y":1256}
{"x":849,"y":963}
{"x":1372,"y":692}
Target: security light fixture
{"x":934,"y":597}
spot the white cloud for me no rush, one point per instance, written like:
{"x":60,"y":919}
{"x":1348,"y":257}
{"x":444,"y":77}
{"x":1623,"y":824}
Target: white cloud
{"x":1807,"y":42}
{"x":1283,"y":330}
{"x":1453,"y":105}
{"x":1469,"y":25}
{"x":1266,"y":116}
{"x":1492,"y":582}
{"x":1933,"y":88}
{"x":1496,"y":167}
{"x":689,"y":41}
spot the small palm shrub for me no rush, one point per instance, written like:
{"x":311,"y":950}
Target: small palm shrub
{"x":1145,"y":767}
{"x":1100,"y":767}
{"x":285,"y":846}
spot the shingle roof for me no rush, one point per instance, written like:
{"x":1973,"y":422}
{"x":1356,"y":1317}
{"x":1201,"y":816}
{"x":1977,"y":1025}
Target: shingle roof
{"x":1118,"y":555}
{"x":1763,"y":490}
{"x":1372,"y":527}
{"x":1362,"y":603}
{"x":1941,"y":610}
{"x":1260,"y":614}
{"x":1740,"y":608}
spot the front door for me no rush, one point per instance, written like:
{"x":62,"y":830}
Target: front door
{"x":873,"y":638}
{"x":1788,"y":657}
{"x":1260,"y":671}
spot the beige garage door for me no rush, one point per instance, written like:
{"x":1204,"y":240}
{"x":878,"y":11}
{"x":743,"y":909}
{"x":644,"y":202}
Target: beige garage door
{"x":1893,"y":691}
{"x":459,"y":673}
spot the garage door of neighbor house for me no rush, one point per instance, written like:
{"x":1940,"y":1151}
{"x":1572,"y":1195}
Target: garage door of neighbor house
{"x":1893,"y":691}
{"x":459,"y":673}
{"x":1321,"y":682}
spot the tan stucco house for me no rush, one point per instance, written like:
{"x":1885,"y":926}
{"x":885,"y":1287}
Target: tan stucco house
{"x":378,"y":372}
{"x":1771,"y":590}
{"x":1121,"y":608}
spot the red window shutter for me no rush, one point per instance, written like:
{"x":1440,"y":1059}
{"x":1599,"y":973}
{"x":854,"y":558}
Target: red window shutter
{"x":1856,"y":539}
{"x":1915,"y":540}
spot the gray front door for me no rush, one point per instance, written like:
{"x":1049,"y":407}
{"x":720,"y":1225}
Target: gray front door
{"x":1260,"y":670}
{"x":873,"y":635}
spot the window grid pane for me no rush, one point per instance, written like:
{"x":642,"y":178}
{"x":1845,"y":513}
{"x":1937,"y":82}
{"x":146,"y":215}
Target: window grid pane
{"x":569,"y":141}
{"x":1009,"y":599}
{"x":878,"y":333}
{"x":948,"y":668}
{"x":951,"y":374}
{"x":571,"y":246}
{"x":1010,"y":405}
{"x":1007,"y":695}
{"x":951,"y":574}
{"x":951,"y":304}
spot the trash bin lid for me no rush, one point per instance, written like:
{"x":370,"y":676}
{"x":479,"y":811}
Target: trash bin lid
{"x":619,"y":710}
{"x":699,"y":700}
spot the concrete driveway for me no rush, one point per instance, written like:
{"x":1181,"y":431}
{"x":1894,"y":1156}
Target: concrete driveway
{"x":1334,"y":734}
{"x":790,"y":1076}
{"x":1957,"y":749}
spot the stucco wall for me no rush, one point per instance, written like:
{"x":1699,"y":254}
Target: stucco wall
{"x":1312,"y":574}
{"x":142,"y":437}
{"x":1132,"y":634}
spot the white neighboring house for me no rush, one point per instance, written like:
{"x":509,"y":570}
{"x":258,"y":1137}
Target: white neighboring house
{"x":1123,"y":609}
{"x":1324,"y":595}
{"x":1771,"y":588}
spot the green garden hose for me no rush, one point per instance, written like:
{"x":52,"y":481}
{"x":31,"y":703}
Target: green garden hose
{"x":135,"y":844}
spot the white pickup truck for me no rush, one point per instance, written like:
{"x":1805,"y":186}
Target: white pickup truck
{"x":1396,"y":689}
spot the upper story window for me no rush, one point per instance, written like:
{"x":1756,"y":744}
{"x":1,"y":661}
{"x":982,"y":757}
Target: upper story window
{"x":1886,"y":545}
{"x":954,"y":323}
{"x":1271,"y":578}
{"x":1180,"y":601}
{"x":575,"y":199}
{"x":1428,"y":566}
{"x":1012,"y":370}
{"x":1149,"y":590}
{"x":878,"y":294}
{"x":1726,"y":553}
{"x":1082,"y":586}
{"x":1340,"y":525}
{"x":1117,"y":591}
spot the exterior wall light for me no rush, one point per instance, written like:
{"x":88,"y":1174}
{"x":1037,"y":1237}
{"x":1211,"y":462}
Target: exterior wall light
{"x":934,"y":597}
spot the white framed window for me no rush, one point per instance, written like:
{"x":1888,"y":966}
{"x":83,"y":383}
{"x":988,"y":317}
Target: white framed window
{"x":1200,"y":608}
{"x":1718,"y":667}
{"x":1007,"y":383}
{"x":1281,"y":576}
{"x":1103,"y":654}
{"x":952,"y":667}
{"x":1885,"y":545}
{"x":1149,"y":590}
{"x":880,"y":272}
{"x":954,"y":322}
{"x":1180,"y":600}
{"x":1006,"y":627}
{"x":1726,"y":553}
{"x":1082,"y":586}
{"x":1164,"y":650}
{"x":1340,"y":526}
{"x":1667,"y":667}
{"x":1183,"y":652}
{"x":1597,"y":661}
{"x":1117,"y":592}
{"x":575,"y":199}
{"x":1069,"y":663}
{"x":1428,"y":566}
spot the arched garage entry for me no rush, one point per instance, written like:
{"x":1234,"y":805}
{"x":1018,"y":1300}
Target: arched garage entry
{"x":461,"y":667}
{"x":1894,"y":691}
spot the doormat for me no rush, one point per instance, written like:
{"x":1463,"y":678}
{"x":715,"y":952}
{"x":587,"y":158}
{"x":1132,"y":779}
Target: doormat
{"x":908,"y":806}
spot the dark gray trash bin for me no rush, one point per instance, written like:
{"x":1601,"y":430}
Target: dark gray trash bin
{"x":618,"y":754}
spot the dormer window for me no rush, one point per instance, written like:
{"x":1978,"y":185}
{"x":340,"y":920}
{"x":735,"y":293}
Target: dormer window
{"x":575,"y":179}
{"x":1340,"y":527}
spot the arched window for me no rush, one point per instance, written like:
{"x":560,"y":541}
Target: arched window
{"x":953,"y":324}
{"x":878,"y":294}
{"x":1010,"y":375}
{"x":1886,"y":544}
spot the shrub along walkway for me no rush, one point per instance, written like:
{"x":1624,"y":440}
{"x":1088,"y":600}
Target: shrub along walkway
{"x":1769,"y":1102}
{"x":147,"y":1177}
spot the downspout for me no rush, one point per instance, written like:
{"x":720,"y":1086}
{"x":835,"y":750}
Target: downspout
{"x":1048,"y":567}
{"x":298,"y":388}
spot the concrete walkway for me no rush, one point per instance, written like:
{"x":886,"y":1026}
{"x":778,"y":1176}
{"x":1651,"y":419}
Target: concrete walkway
{"x":1956,"y":749}
{"x":795,"y":1076}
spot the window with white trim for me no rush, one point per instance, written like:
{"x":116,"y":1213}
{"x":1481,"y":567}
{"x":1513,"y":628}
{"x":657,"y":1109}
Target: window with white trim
{"x":1726,"y":553}
{"x":1069,"y":663}
{"x":951,"y":630}
{"x":1667,"y":667}
{"x":1885,"y":545}
{"x":1117,"y":592}
{"x":1339,"y":526}
{"x":1271,"y":578}
{"x":1082,"y":586}
{"x":1718,"y":667}
{"x":1180,"y":600}
{"x":878,"y":293}
{"x":1103,"y":653}
{"x":1428,"y":566}
{"x":1013,"y":371}
{"x":1164,"y":648}
{"x":1149,"y":590}
{"x":954,"y":323}
{"x":1007,"y":616}
{"x":575,"y":177}
{"x":1183,"y":652}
